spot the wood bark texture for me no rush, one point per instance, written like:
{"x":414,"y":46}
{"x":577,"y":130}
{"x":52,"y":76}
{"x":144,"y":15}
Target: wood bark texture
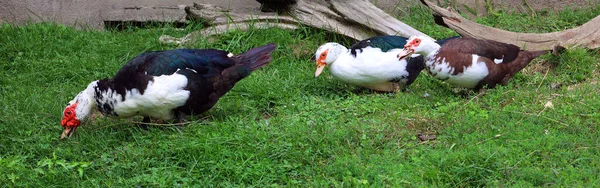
{"x":358,"y":19}
{"x":586,"y":35}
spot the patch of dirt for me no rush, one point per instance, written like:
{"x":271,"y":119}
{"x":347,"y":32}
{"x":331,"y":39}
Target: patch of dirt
{"x":541,"y":66}
{"x":424,"y":125}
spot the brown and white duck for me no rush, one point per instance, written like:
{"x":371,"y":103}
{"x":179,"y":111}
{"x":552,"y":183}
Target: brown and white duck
{"x":469,"y":62}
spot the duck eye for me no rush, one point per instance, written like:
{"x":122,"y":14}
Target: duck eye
{"x":322,"y":55}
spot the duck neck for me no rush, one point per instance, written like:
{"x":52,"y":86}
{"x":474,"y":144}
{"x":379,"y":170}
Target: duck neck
{"x":105,"y":96}
{"x":336,"y":52}
{"x":85,"y":102}
{"x":430,"y":50}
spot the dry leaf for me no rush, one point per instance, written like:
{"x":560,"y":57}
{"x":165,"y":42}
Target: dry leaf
{"x":424,"y":137}
{"x":549,"y":105}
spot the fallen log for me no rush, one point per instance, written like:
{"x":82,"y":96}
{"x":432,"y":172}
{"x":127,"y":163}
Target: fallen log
{"x":586,"y":35}
{"x":358,"y":19}
{"x":219,"y":20}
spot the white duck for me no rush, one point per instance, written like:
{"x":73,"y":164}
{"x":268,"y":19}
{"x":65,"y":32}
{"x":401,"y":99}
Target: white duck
{"x":371,"y":63}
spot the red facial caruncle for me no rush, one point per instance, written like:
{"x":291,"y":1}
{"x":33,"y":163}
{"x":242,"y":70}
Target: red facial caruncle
{"x":414,"y":43}
{"x":321,"y":62}
{"x":69,"y":120}
{"x":322,"y":57}
{"x":69,"y":116}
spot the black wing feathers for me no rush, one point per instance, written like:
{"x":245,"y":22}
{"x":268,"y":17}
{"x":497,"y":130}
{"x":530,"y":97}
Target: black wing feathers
{"x":443,"y":41}
{"x":385,"y":43}
{"x":210,"y":73}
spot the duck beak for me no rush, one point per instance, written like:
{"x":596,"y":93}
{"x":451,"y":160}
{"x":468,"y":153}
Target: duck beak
{"x":68,"y":132}
{"x":321,"y":64}
{"x":320,"y":67}
{"x":405,"y":52}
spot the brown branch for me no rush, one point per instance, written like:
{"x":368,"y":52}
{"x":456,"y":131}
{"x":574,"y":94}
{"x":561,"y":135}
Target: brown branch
{"x":586,"y":35}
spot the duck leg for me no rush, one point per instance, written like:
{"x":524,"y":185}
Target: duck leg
{"x":144,"y":124}
{"x":179,"y":120}
{"x":396,"y":87}
{"x":401,"y":86}
{"x":179,"y":117}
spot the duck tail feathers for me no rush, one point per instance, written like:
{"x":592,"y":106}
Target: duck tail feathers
{"x":257,"y":57}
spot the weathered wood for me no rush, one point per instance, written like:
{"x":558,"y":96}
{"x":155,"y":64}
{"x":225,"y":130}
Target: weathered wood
{"x":358,"y":19}
{"x":220,"y":20}
{"x":586,"y":35}
{"x":369,"y":16}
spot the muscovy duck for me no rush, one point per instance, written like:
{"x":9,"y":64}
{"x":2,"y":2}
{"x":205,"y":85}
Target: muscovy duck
{"x":165,"y":85}
{"x":469,"y":62}
{"x":371,"y":63}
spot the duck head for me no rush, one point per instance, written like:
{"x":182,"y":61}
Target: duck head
{"x":327,"y":54}
{"x":78,"y":110}
{"x":419,"y":45}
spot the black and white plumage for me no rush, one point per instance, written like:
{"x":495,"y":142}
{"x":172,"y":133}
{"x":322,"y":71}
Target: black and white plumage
{"x":371,"y":63}
{"x":165,"y":84}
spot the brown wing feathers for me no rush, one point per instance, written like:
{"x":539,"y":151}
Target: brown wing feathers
{"x":486,"y":48}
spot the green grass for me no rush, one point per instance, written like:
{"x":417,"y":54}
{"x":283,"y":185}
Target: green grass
{"x":282,"y":127}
